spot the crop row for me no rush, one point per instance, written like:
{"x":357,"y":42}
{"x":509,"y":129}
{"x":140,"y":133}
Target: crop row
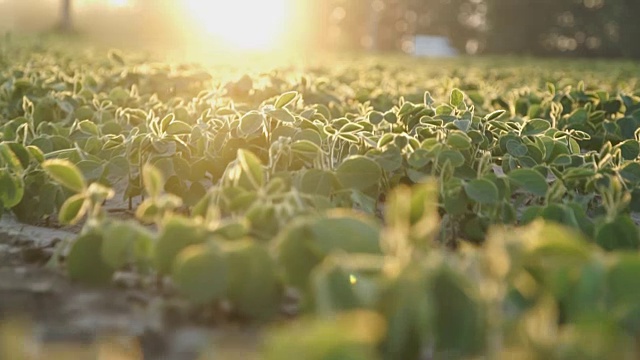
{"x":349,"y":187}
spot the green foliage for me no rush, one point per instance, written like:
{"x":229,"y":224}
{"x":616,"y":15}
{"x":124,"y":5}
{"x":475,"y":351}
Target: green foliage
{"x":85,"y":262}
{"x":66,"y":174}
{"x":619,"y":234}
{"x":359,"y":173}
{"x":126,"y":243}
{"x":73,"y":209}
{"x":482,"y":191}
{"x":352,"y":336}
{"x":177,"y":234}
{"x":201,"y":272}
{"x":463,"y":222}
{"x":530,"y":180}
{"x":254,"y":287}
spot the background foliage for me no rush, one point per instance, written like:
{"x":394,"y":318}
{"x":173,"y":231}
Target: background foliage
{"x":584,"y":28}
{"x":533,"y":27}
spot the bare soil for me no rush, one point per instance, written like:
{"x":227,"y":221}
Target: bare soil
{"x":60,"y":319}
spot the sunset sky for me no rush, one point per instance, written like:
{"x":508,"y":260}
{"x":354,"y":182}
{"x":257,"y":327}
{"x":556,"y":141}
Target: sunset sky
{"x":226,"y":23}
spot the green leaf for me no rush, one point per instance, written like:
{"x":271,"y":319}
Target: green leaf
{"x":391,"y":117}
{"x":89,"y":127}
{"x":153,"y":180}
{"x":283,"y":115}
{"x":619,"y":234}
{"x":8,"y":157}
{"x":460,"y":321}
{"x":580,"y":173}
{"x":623,"y":282}
{"x":165,"y":121}
{"x":306,"y":148}
{"x":562,"y":160}
{"x":535,"y":127}
{"x":455,"y":158}
{"x":177,"y":127}
{"x":118,"y":166}
{"x":578,"y":117}
{"x":409,"y":309}
{"x":346,"y":231}
{"x":427,"y":99}
{"x":252,"y":167}
{"x":332,"y":289}
{"x":455,"y":201}
{"x":551,"y":88}
{"x":530,"y":180}
{"x":232,"y":229}
{"x":349,"y":138}
{"x":253,"y":288}
{"x":459,"y":141}
{"x":21,"y":153}
{"x":177,"y":234}
{"x":196,"y":192}
{"x":386,"y":139}
{"x":285,"y":99}
{"x":65,"y":173}
{"x":350,"y":128}
{"x":36,"y":153}
{"x":329,"y":130}
{"x":121,"y":238}
{"x":421,"y":157}
{"x":494,"y":115}
{"x":85,"y":263}
{"x":390,"y":159}
{"x":375,"y":117}
{"x":457,"y":98}
{"x":359,"y":172}
{"x":251,"y":122}
{"x":482,"y":191}
{"x":201,"y":273}
{"x":631,"y":172}
{"x":12,"y":189}
{"x":73,"y":209}
{"x":462,"y":124}
{"x":91,"y":170}
{"x":147,"y":211}
{"x":561,"y":214}
{"x":317,"y":182}
{"x":295,"y":252}
{"x":350,"y":336}
{"x":516,"y":148}
{"x":630,"y":149}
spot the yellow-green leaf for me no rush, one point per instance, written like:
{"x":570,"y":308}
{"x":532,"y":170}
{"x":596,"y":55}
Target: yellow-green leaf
{"x":65,"y":173}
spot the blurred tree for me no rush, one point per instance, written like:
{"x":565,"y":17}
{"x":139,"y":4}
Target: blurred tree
{"x":514,"y":25}
{"x":66,"y":23}
{"x":459,"y":20}
{"x":390,"y":25}
{"x":628,"y":13}
{"x":587,"y":28}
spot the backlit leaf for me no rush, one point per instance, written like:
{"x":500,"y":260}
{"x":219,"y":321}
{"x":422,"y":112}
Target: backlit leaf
{"x":482,"y":191}
{"x":65,"y":173}
{"x":359,"y":172}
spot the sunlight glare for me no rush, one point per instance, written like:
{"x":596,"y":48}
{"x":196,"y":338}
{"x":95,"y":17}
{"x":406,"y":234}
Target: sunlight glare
{"x":119,"y":3}
{"x":241,"y":24}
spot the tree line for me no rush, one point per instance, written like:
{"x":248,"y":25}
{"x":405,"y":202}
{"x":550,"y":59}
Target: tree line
{"x":586,"y":28}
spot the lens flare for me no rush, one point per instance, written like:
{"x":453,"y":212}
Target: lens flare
{"x":241,"y":24}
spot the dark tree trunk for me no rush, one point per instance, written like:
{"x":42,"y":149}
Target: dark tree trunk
{"x":66,"y":22}
{"x":630,"y":29}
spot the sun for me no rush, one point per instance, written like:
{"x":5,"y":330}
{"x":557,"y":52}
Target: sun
{"x":119,"y":3}
{"x":241,"y":24}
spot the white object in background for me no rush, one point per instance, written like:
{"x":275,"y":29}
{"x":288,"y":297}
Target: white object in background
{"x":433,"y":46}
